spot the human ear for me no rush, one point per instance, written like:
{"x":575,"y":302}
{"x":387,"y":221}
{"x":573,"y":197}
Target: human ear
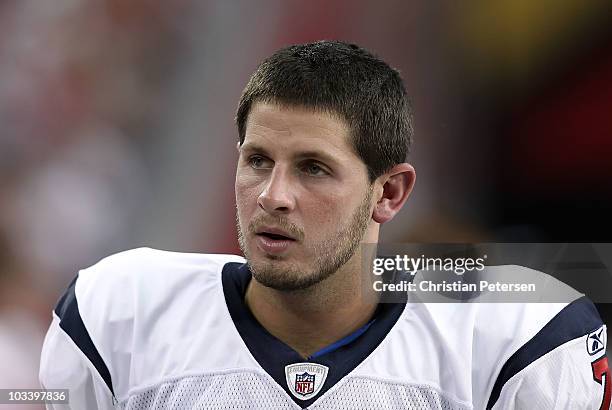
{"x":396,"y":184}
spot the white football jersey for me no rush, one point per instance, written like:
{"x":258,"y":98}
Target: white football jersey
{"x":149,"y":329}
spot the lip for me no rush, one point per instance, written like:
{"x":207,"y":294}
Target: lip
{"x":274,"y":231}
{"x":273,"y":246}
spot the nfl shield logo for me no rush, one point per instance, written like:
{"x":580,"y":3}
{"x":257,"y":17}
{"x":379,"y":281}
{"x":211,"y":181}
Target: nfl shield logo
{"x":305,"y":380}
{"x":304,"y":383}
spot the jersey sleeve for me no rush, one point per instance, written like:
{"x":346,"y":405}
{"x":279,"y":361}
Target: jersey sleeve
{"x":562,"y":379}
{"x":563,"y":367}
{"x":69,"y":360}
{"x":110,"y":325}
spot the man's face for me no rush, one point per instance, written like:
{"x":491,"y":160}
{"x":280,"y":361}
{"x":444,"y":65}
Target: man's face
{"x":303,"y":197}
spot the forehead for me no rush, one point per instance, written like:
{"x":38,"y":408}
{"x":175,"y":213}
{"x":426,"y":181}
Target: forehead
{"x":291,"y":129}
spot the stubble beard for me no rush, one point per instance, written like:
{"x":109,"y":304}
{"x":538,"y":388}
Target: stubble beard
{"x":330,"y":254}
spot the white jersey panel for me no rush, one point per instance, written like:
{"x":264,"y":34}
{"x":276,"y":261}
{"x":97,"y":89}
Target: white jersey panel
{"x":154,"y":315}
{"x":457,"y":349}
{"x":499,"y":331}
{"x":366,"y":393}
{"x":235,"y":390}
{"x":255,"y":391}
{"x":63,"y":365}
{"x":424,"y":350}
{"x":561,"y":379}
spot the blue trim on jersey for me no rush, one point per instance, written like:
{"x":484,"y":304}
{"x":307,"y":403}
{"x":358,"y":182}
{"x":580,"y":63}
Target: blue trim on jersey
{"x":575,"y":320}
{"x":273,"y":355}
{"x":342,"y":342}
{"x":67,"y":310}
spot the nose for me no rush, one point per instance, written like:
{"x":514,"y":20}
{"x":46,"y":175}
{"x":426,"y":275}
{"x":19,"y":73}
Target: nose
{"x":277,"y":197}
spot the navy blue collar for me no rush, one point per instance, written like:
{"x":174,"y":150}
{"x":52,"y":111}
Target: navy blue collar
{"x":273,"y":355}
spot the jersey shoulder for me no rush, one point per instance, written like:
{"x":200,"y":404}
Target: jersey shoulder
{"x":123,"y":284}
{"x":484,"y":343}
{"x":150,"y":265}
{"x":145,"y":303}
{"x":513,"y":338}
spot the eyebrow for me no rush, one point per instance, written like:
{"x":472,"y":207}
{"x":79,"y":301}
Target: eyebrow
{"x":253,"y":147}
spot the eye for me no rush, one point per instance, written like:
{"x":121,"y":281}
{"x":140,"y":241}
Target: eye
{"x":314,"y":169}
{"x":258,"y":162}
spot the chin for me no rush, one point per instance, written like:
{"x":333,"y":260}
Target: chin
{"x":281,"y":276}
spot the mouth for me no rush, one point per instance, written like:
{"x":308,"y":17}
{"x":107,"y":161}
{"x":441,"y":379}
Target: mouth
{"x":274,"y":241}
{"x":274,"y":234}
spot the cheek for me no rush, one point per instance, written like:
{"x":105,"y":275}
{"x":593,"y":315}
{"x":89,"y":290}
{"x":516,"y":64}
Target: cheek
{"x":332,"y":211}
{"x":325,"y":213}
{"x":245,"y":196}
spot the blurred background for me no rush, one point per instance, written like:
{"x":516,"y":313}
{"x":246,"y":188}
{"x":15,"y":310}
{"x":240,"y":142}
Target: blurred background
{"x":117,"y":128}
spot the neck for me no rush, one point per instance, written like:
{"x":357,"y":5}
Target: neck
{"x":310,"y":319}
